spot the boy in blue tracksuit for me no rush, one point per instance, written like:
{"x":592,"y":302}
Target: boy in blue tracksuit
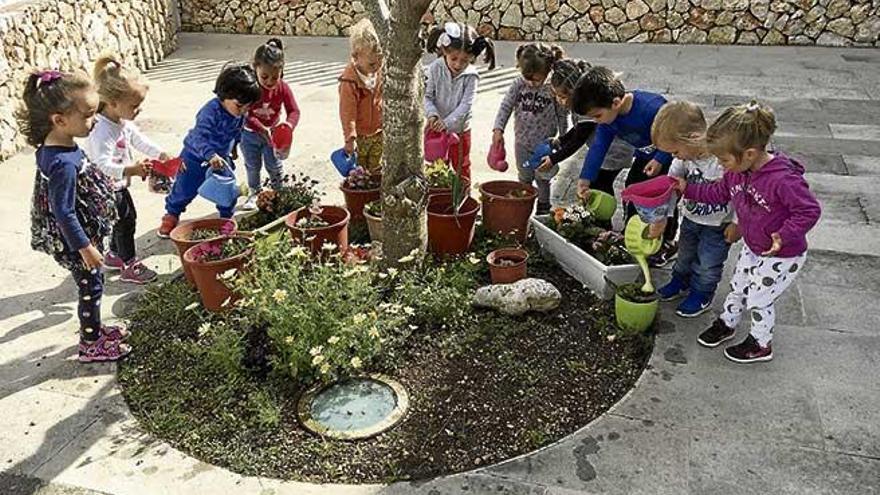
{"x":601,"y":96}
{"x":212,"y":140}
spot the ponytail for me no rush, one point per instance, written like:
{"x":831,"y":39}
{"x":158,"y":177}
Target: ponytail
{"x":47,"y":93}
{"x":742,"y":127}
{"x":270,"y":54}
{"x":115,"y":81}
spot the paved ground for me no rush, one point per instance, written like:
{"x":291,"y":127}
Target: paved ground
{"x":808,"y":422}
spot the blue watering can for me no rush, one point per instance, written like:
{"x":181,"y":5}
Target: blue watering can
{"x":344,"y":162}
{"x":220,"y":187}
{"x":540,"y":151}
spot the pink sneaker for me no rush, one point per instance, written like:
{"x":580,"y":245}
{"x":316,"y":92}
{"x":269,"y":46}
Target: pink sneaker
{"x":103,"y":349}
{"x":113,"y":262}
{"x":137,"y":273}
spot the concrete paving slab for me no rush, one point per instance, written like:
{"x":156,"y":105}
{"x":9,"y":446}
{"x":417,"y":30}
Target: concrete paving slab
{"x":842,"y":310}
{"x":862,"y":165}
{"x":850,"y":419}
{"x":864,"y":132}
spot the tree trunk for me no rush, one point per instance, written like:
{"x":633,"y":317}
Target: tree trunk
{"x":404,"y":190}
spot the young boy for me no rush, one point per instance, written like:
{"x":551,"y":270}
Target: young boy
{"x":601,"y":96}
{"x":360,"y":98}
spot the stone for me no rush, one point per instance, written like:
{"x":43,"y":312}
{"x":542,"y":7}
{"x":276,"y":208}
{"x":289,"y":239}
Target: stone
{"x":674,"y":20}
{"x":780,"y":6}
{"x":512,"y":17}
{"x":690,"y":34}
{"x":838,"y":8}
{"x":831,"y":39}
{"x":682,"y":6}
{"x":259,"y":24}
{"x":597,"y":14}
{"x":815,"y":28}
{"x":735,"y":5}
{"x":538,"y":5}
{"x":585,"y":25}
{"x":842,"y":26}
{"x":662,"y":36}
{"x":657,"y":6}
{"x":817,"y":12}
{"x":459,"y":15}
{"x":532,"y":25}
{"x":615,"y":16}
{"x":781,"y":22}
{"x":773,"y":37}
{"x":482,"y":4}
{"x":627,"y":30}
{"x":759,"y":8}
{"x":860,"y":13}
{"x":794,"y":28}
{"x":722,"y":35}
{"x":868,"y":31}
{"x":568,"y":31}
{"x":552,"y":6}
{"x":636,"y":9}
{"x":726,"y":18}
{"x":652,"y":22}
{"x":506,"y":33}
{"x":711,"y":4}
{"x":800,"y":40}
{"x":530,"y":294}
{"x":563,"y":14}
{"x":747,"y":38}
{"x":580,"y":6}
{"x":607,"y":32}
{"x":313,"y":10}
{"x":703,"y":19}
{"x":642,"y":37}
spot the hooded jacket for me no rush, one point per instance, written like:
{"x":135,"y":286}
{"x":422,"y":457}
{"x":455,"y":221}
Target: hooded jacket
{"x":360,"y":110}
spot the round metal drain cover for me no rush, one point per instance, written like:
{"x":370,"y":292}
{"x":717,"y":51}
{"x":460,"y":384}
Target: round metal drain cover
{"x":356,"y":408}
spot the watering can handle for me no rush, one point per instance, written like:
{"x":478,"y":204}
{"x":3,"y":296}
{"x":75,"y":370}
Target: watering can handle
{"x":210,"y":170}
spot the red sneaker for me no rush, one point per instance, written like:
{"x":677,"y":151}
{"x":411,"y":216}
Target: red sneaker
{"x":169,"y":221}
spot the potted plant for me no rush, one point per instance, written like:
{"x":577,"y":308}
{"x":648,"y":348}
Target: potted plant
{"x":451,"y":219}
{"x":188,"y":234}
{"x":360,"y":188}
{"x":634,"y":308}
{"x":373,"y":215}
{"x":507,"y":265}
{"x":316,"y":224}
{"x":211,"y":259}
{"x":273,"y":203}
{"x":507,"y":206}
{"x":440,"y":177}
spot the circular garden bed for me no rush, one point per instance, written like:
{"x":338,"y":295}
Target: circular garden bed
{"x":483,"y":387}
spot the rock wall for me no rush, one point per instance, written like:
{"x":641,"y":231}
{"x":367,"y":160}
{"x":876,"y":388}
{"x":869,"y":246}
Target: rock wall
{"x":71,"y":34}
{"x":748,"y":22}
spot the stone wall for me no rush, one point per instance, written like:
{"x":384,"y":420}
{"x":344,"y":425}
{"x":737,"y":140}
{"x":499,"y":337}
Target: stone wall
{"x":71,"y":34}
{"x":748,"y":22}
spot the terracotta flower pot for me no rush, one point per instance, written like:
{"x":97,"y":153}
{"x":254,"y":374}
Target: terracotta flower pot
{"x":507,"y":273}
{"x":448,"y":233}
{"x":505,"y":213}
{"x":356,"y":199}
{"x":465,"y":182}
{"x":184,"y":230}
{"x":336,"y":232}
{"x":374,"y":224}
{"x":206,"y":274}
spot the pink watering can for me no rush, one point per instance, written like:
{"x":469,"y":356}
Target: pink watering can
{"x":497,"y":157}
{"x":438,"y":145}
{"x":166,"y":168}
{"x":653,"y":199}
{"x":282,"y":138}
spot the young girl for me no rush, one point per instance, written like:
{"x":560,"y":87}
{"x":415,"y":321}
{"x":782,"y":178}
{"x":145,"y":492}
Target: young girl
{"x":537,"y":114}
{"x":360,"y":98}
{"x":707,"y":230}
{"x":264,"y":115}
{"x":775,"y":209}
{"x":110,"y":144}
{"x":73,"y":203}
{"x":452,"y":85}
{"x":212,"y":141}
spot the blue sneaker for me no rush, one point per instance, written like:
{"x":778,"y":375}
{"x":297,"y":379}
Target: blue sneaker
{"x":673,"y":290}
{"x":695,"y":304}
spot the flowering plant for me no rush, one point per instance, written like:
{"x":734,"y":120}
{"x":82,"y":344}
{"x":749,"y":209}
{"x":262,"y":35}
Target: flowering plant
{"x":313,"y":220}
{"x":359,"y":178}
{"x":227,"y":229}
{"x":292,"y":194}
{"x":221,"y":249}
{"x":581,"y":228}
{"x":374,"y":208}
{"x":439,"y":174}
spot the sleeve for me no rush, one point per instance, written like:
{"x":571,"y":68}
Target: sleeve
{"x":596,"y":154}
{"x":142,"y":143}
{"x":100,"y":147}
{"x":663,"y":157}
{"x":348,"y":109}
{"x":206,"y":121}
{"x":678,"y":169}
{"x":712,"y":193}
{"x":803,"y":206}
{"x":431,"y":96}
{"x":573,"y":140}
{"x":464,"y":107}
{"x":290,"y":107}
{"x":563,"y":118}
{"x":62,"y":200}
{"x":505,"y":110}
{"x":252,"y":122}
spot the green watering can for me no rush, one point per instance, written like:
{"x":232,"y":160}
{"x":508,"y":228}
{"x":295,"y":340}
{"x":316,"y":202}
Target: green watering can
{"x":640,"y":247}
{"x":601,"y":204}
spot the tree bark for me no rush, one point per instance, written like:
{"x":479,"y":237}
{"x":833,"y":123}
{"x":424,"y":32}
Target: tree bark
{"x":404,"y":190}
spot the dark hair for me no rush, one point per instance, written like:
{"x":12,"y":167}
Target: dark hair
{"x":597,"y":88}
{"x":469,"y":41}
{"x":270,"y":54}
{"x":238,"y":81}
{"x":47,"y":93}
{"x":537,"y":58}
{"x":567,"y":72}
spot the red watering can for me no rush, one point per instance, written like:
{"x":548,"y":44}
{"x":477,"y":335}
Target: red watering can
{"x":438,"y":144}
{"x":282,"y":138}
{"x":167,"y":168}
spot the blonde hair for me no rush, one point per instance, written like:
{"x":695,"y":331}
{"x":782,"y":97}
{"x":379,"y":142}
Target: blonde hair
{"x":679,"y":122}
{"x":363,"y":38}
{"x":114,"y":81}
{"x":741,"y":127}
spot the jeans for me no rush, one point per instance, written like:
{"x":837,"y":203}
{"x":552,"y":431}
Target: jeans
{"x":702,"y":251}
{"x":122,"y":240}
{"x":636,"y":175}
{"x":258,"y":152}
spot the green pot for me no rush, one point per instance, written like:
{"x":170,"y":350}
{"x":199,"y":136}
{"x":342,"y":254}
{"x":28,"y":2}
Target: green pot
{"x":634,"y":317}
{"x":601,"y":204}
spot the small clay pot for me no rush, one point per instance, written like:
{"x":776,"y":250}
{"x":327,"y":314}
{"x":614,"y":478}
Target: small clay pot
{"x":503,"y":273}
{"x":504,"y":212}
{"x":206,"y":274}
{"x":449,"y":233}
{"x":374,"y":225}
{"x":181,"y":237}
{"x":336,"y":232}
{"x":356,"y":199}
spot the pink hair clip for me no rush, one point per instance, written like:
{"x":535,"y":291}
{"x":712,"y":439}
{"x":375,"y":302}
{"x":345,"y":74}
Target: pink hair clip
{"x":48,"y":77}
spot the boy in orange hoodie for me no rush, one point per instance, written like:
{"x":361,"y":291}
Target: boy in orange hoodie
{"x":360,"y":98}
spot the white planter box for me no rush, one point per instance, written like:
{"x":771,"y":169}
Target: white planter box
{"x":580,"y":265}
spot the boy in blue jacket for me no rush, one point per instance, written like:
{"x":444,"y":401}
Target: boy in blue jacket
{"x":212,"y":140}
{"x":601,"y":96}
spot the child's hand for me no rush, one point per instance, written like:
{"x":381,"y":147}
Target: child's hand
{"x":92,"y":258}
{"x":350,"y":146}
{"x":653,"y":168}
{"x":732,"y":233}
{"x":216,"y":162}
{"x":583,"y":188}
{"x":435,"y":123}
{"x":655,"y":230}
{"x":680,"y":184}
{"x":497,"y":137}
{"x":775,"y":247}
{"x":546,"y":164}
{"x":138,"y":169}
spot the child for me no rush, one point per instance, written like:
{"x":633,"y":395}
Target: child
{"x":707,"y":230}
{"x":537,"y":114}
{"x":775,"y":209}
{"x":600,"y":95}
{"x":73,"y":202}
{"x":360,"y":98}
{"x":212,"y":140}
{"x":566,"y":74}
{"x":264,"y":114}
{"x":121,"y":91}
{"x":452,"y":85}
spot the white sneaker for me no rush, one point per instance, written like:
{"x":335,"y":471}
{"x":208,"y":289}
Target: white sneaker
{"x":250,"y":204}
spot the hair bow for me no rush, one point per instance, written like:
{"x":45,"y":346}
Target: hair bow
{"x":48,"y":77}
{"x":450,"y":30}
{"x":752,"y":106}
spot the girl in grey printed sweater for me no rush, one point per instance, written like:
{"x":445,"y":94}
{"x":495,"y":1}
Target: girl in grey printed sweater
{"x":537,"y":114}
